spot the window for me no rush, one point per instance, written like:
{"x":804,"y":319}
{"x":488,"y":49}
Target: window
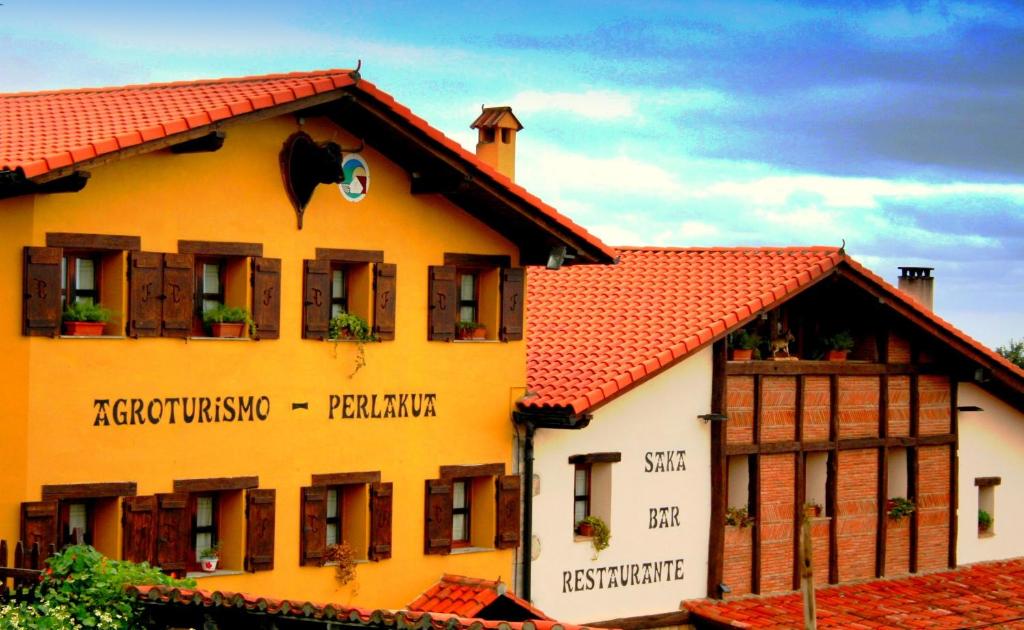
{"x":581,"y":493}
{"x":76,"y":519}
{"x":739,"y":482}
{"x":352,"y":508}
{"x":478,"y":292}
{"x":80,"y":278}
{"x":210,"y":283}
{"x":592,"y":487}
{"x":472,"y":508}
{"x":816,"y":480}
{"x":357,"y":282}
{"x":897,"y":473}
{"x":987,"y":505}
{"x":204,"y":524}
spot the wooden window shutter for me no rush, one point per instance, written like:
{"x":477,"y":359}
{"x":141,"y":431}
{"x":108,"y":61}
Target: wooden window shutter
{"x":385,"y":291}
{"x":39,"y":523}
{"x":438,"y":521}
{"x":513,"y":290}
{"x":173,"y":526}
{"x":259,"y":529}
{"x":138,"y":523}
{"x":316,"y":299}
{"x":313,"y":537}
{"x":179,"y":289}
{"x":380,"y":520}
{"x":266,"y":297}
{"x":507,"y":488}
{"x":42,"y":304}
{"x":444,"y":304}
{"x":145,"y":293}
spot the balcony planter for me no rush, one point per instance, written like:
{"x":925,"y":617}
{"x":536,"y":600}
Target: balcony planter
{"x":742,"y":354}
{"x":838,"y":345}
{"x":743,"y":344}
{"x":228,"y":329}
{"x":584,"y":528}
{"x":470,"y":330}
{"x":836,"y":355}
{"x":84,"y":329}
{"x":208,"y":558}
{"x":83,"y":319}
{"x":227,"y":321}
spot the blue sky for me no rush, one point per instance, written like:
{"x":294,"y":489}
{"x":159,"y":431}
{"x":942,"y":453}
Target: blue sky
{"x":897,"y":126}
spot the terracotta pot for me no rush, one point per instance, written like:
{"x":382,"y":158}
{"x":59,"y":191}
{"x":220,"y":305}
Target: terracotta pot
{"x":812,"y":511}
{"x":585,"y":529}
{"x":837,"y":355}
{"x":739,"y":354}
{"x":84,"y":329}
{"x":464,"y":333}
{"x":228,"y":329}
{"x":480,"y":333}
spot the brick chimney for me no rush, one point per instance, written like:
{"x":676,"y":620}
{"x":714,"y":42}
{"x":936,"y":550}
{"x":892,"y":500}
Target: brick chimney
{"x":496,"y":141}
{"x":918,"y":283}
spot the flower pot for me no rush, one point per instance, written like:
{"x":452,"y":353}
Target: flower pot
{"x":84,"y":329}
{"x":740,"y":354}
{"x":208,"y":564}
{"x":837,"y":355}
{"x":464,"y":333}
{"x":585,"y":529}
{"x":480,"y":333}
{"x":228,"y":329}
{"x":812,"y":511}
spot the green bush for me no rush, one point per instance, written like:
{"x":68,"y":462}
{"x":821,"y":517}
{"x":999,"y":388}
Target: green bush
{"x":738,"y":517}
{"x":745,"y":340}
{"x":84,"y":589}
{"x":226,"y":314}
{"x":840,"y":341}
{"x":984,"y":521}
{"x":898,"y":507}
{"x":86,"y":312}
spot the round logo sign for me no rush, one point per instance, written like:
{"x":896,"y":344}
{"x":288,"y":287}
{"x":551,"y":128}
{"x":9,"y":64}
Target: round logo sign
{"x":357,"y":177}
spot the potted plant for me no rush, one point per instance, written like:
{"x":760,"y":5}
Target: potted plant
{"x":812,"y":509}
{"x":209,"y":557}
{"x":343,"y":557}
{"x":584,"y":528}
{"x":738,"y":517}
{"x":227,"y":321}
{"x":600,"y":534}
{"x":984,"y":521}
{"x":85,"y":319}
{"x":899,"y":507}
{"x":838,"y":345}
{"x":743,"y":345}
{"x":351,"y":327}
{"x":470,"y":330}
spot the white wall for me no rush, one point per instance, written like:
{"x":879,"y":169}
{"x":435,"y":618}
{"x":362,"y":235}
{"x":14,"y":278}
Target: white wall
{"x":991,"y":445}
{"x":659,"y":415}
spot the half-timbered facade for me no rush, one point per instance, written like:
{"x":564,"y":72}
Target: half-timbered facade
{"x":697,"y":460}
{"x":302,"y":201}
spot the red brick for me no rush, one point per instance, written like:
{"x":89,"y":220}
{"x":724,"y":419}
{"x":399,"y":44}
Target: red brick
{"x":817,"y":394}
{"x":857,"y":513}
{"x":740,"y":427}
{"x":858,"y":406}
{"x":899,"y":406}
{"x":933,"y":402}
{"x":933,"y":508}
{"x":899,"y":349}
{"x":778,"y":408}
{"x":775,"y":521}
{"x":897,"y":547}
{"x":737,"y":561}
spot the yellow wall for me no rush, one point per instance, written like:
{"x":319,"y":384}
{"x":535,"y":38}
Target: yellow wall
{"x":236,"y":194}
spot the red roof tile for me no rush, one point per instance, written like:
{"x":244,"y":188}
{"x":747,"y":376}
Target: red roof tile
{"x":596,"y":330}
{"x":466,"y":597}
{"x":44,"y":131}
{"x":976,"y":596}
{"x":347,"y":614}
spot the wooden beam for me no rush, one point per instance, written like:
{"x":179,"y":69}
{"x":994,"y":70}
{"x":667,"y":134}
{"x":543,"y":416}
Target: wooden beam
{"x":799,"y":499}
{"x":438,"y":182}
{"x":345,"y":478}
{"x":913,"y":467}
{"x":477,"y":260}
{"x":596,"y":458}
{"x":209,"y":143}
{"x":643,"y":622}
{"x":216,"y":484}
{"x":14,"y":184}
{"x":832,"y":509}
{"x":847,"y":444}
{"x":350,"y":255}
{"x":719,"y":463}
{"x":954,"y":469}
{"x":755,"y":534}
{"x":985,"y":482}
{"x":477,"y":470}
{"x":220,"y":248}
{"x":107,"y":242}
{"x":882,"y":520}
{"x":89,"y":490}
{"x":844,"y":368}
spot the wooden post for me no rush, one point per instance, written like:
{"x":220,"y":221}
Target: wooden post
{"x":807,"y":575}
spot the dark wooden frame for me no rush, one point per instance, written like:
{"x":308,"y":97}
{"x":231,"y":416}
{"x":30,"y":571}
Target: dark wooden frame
{"x":473,"y":470}
{"x":345,"y":478}
{"x":985,"y":482}
{"x":350,"y":255}
{"x":89,"y":490}
{"x":100,"y":242}
{"x":596,"y":458}
{"x":69,"y":289}
{"x":337,"y":520}
{"x":220,"y":248}
{"x":576,"y":498}
{"x":339,"y":300}
{"x":64,"y":535}
{"x":200,"y":278}
{"x":216,"y":484}
{"x":474,"y":302}
{"x":479,"y":261}
{"x":466,"y":510}
{"x":196,"y":529}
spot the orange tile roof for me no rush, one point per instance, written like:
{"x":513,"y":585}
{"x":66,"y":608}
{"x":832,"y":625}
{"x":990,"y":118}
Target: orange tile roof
{"x":41,"y":132}
{"x":467,"y":597}
{"x":326,"y":611}
{"x":596,"y":330}
{"x":976,"y":596}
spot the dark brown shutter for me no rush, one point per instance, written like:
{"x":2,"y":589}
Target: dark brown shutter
{"x":316,"y":299}
{"x":179,"y":286}
{"x":259,"y":529}
{"x":385,"y":291}
{"x":507,"y":491}
{"x":145,"y":289}
{"x":42,"y":291}
{"x":380,"y":520}
{"x":173,"y":526}
{"x":512,"y":293}
{"x":266,"y":297}
{"x":438,"y":520}
{"x":443,"y":302}
{"x":313,"y":537}
{"x":138,"y":523}
{"x":39,"y":524}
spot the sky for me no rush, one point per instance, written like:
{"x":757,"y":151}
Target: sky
{"x":895,"y":127}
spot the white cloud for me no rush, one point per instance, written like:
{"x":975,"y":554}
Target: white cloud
{"x":593,"y":104}
{"x":698,"y":230}
{"x":552,"y":172}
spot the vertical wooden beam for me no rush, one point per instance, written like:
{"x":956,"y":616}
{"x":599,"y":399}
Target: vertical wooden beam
{"x":954,"y":468}
{"x":832,"y":482}
{"x":719,"y":497}
{"x":800,"y":492}
{"x":882,"y":526}
{"x":755,"y":491}
{"x":913,"y":467}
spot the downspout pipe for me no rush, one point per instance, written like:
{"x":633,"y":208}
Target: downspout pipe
{"x":532,"y":421}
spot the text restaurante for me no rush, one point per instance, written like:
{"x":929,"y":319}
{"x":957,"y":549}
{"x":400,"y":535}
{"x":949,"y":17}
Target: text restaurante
{"x":622,"y":575}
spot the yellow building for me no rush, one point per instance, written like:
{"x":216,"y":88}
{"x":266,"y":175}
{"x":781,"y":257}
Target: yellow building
{"x":297,"y":197}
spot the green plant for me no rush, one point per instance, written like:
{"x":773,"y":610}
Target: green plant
{"x":465,"y":325}
{"x":226,"y":315}
{"x":602,"y":533}
{"x":210,"y":552}
{"x":344,"y":558}
{"x":738,"y":517}
{"x":745,"y":340}
{"x":82,"y":588}
{"x":898,"y":507}
{"x":842,"y":340}
{"x":86,"y":312}
{"x":1013,"y":352}
{"x":355,"y":328}
{"x":984,"y":521}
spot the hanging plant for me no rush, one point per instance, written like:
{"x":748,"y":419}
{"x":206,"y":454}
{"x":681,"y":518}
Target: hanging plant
{"x":601,"y":534}
{"x":350,"y":327}
{"x":898,"y":507}
{"x":344,"y":559}
{"x":738,"y":517}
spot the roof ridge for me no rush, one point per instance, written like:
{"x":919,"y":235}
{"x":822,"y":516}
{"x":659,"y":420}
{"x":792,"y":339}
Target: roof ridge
{"x":180,"y":83}
{"x":738,"y":248}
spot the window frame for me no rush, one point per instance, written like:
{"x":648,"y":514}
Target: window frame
{"x":340,"y":300}
{"x":473,"y":302}
{"x":196,"y":529}
{"x":200,"y":281}
{"x":587,"y":468}
{"x":69,"y":275}
{"x":64,"y":534}
{"x":466,"y":512}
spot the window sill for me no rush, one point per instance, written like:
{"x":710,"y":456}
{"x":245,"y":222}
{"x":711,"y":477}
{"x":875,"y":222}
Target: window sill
{"x":476,"y":341}
{"x":92,"y":337}
{"x":983,"y":535}
{"x":460,"y":550}
{"x":197,"y":575}
{"x":220,"y":338}
{"x":357,"y":561}
{"x":578,"y":538}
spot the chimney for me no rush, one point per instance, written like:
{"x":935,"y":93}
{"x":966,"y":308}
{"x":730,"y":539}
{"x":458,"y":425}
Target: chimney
{"x":918,"y":283}
{"x":496,"y":141}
